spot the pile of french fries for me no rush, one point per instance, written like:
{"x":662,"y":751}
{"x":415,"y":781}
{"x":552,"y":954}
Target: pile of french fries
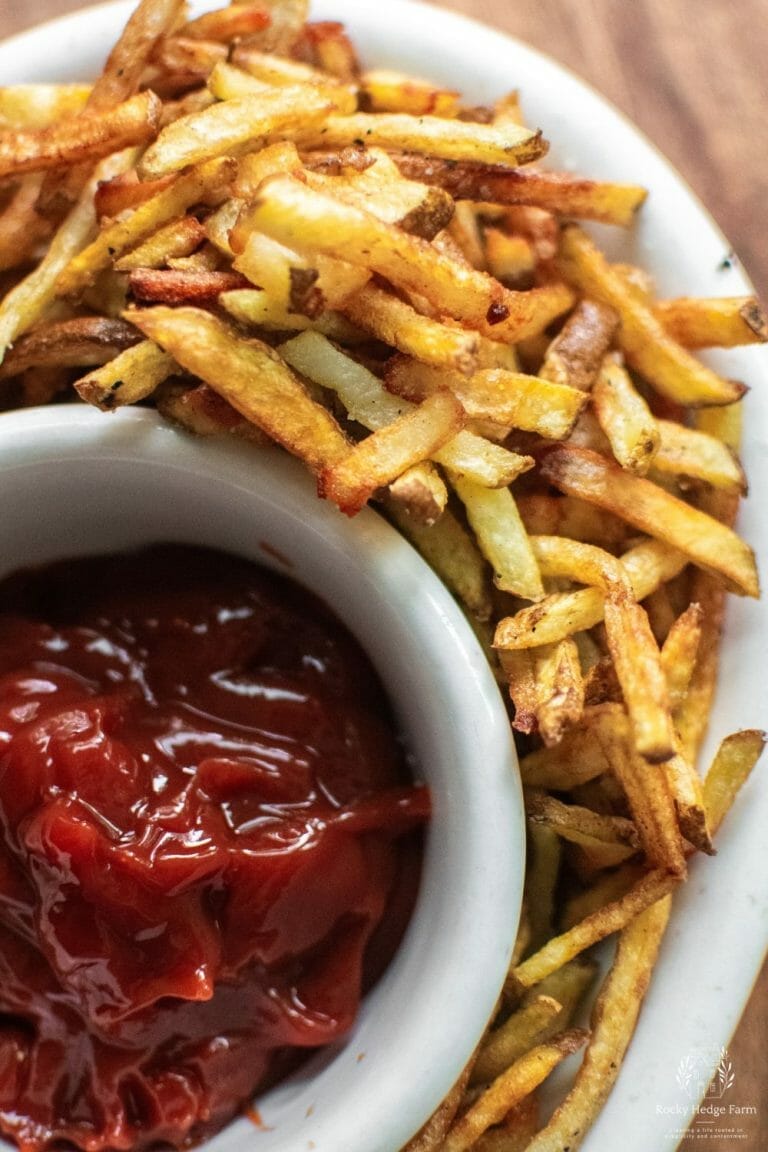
{"x":241,"y":225}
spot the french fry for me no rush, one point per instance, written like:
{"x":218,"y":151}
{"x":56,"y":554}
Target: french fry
{"x":558,"y":688}
{"x":688,"y":797}
{"x":21,"y":228}
{"x":584,"y":827}
{"x":83,"y":341}
{"x":542,"y":873}
{"x":430,"y":1137}
{"x":515,"y":1131}
{"x":613,"y":1024}
{"x":227,"y":24}
{"x":86,"y":137}
{"x":276,"y":70}
{"x":129,"y":377}
{"x":368,"y":402}
{"x":613,"y":917}
{"x":692,"y":715}
{"x":203,"y":412}
{"x":512,"y":1086}
{"x":578,"y":758}
{"x":659,"y":359}
{"x":512,"y":399}
{"x":625,"y":418}
{"x":122,"y":192}
{"x":562,"y":614}
{"x":396,"y":323}
{"x":25,"y":303}
{"x":576,"y":354}
{"x":501,"y":537}
{"x":724,"y":322}
{"x":432,"y":135}
{"x":166,"y":286}
{"x":512,"y":1039}
{"x":206,"y":184}
{"x":384,"y":455}
{"x":421,"y":492}
{"x":510,"y":259}
{"x":309,"y":221}
{"x":251,"y":377}
{"x":388,"y":91}
{"x":232,"y":124}
{"x":178,"y":238}
{"x":229,"y":83}
{"x":519,"y":669}
{"x":328,"y":47}
{"x":679,"y":652}
{"x":735,"y":759}
{"x":689,"y":452}
{"x":548,"y":515}
{"x":557,"y":192}
{"x":707,"y":542}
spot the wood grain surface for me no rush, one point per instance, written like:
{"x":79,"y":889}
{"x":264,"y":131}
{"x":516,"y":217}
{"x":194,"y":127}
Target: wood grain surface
{"x":692,"y":74}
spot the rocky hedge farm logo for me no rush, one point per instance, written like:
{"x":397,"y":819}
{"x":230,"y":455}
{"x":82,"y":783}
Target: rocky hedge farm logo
{"x":695,"y":1079}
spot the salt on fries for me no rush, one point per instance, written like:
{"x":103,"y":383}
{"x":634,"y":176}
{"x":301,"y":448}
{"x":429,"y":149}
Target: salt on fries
{"x":240,"y":224}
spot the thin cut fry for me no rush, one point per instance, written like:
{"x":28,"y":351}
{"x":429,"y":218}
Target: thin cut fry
{"x":716,"y":323}
{"x":575,"y":355}
{"x":735,"y":759}
{"x":625,"y":418}
{"x":128,"y":378}
{"x":502,"y":538}
{"x":512,"y":1039}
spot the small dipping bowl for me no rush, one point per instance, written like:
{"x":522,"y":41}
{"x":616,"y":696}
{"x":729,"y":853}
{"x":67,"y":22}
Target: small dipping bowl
{"x":75,"y":482}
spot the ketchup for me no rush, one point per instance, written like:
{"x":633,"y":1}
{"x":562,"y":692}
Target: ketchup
{"x":208,"y":844}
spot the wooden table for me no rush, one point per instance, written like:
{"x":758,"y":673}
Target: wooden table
{"x":692,"y":76}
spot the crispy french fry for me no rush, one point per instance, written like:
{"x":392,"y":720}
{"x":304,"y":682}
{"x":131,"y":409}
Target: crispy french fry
{"x":206,"y":184}
{"x":501,"y":537}
{"x":613,"y":1023}
{"x":712,"y":545}
{"x":275,"y":70}
{"x":510,"y":259}
{"x":659,"y":359}
{"x":251,"y":377}
{"x":167,"y":286}
{"x":558,"y":688}
{"x":688,"y":452}
{"x":724,"y":322}
{"x":447,"y":139}
{"x":508,"y":1089}
{"x":512,"y":399}
{"x":679,"y":653}
{"x":512,"y":1039}
{"x":584,"y":827}
{"x":384,"y":455}
{"x":232,"y":124}
{"x":555,"y":191}
{"x":625,"y":418}
{"x":226,"y":24}
{"x":613,"y":917}
{"x":688,"y":797}
{"x":548,"y":515}
{"x":368,"y":402}
{"x":518,"y":667}
{"x":203,"y":412}
{"x":310,"y":221}
{"x":178,"y":238}
{"x":83,"y":341}
{"x":576,"y":354}
{"x":388,"y":91}
{"x":421,"y":492}
{"x":85,"y":137}
{"x":129,"y":377}
{"x":735,"y":759}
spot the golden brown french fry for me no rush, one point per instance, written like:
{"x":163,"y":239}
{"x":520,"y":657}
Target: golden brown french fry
{"x":512,"y":1039}
{"x":178,"y":238}
{"x":329,"y":48}
{"x":203,"y":412}
{"x":421,"y":493}
{"x":206,"y":184}
{"x":508,"y":1089}
{"x":232,"y":124}
{"x":689,"y":452}
{"x":518,"y":667}
{"x":649,"y":797}
{"x":501,"y":537}
{"x":395,"y":322}
{"x":276,"y":70}
{"x":251,"y":306}
{"x":582,"y":826}
{"x":515,"y":1131}
{"x":735,"y":759}
{"x":604,"y":889}
{"x":384,"y":455}
{"x":564,"y":613}
{"x":368,"y":402}
{"x":389,"y":91}
{"x":227,"y":24}
{"x":252,"y":377}
{"x":229,"y":83}
{"x":613,"y":917}
{"x":558,"y":689}
{"x":625,"y":418}
{"x":613,"y":1023}
{"x":545,"y":514}
{"x":559,"y":192}
{"x":451,"y":550}
{"x":26,"y":302}
{"x":722,"y":322}
{"x":576,"y":354}
{"x":509,"y":258}
{"x":430,"y":1137}
{"x":512,"y":399}
{"x":430,"y":135}
{"x":659,"y":359}
{"x":169,"y":286}
{"x":692,"y":715}
{"x":679,"y":652}
{"x":128,"y":378}
{"x":713,"y":545}
{"x":89,"y":136}
{"x":687,"y":794}
{"x":310,"y":221}
{"x":578,"y":757}
{"x":83,"y":341}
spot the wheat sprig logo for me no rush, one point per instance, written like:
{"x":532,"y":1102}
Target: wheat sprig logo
{"x":724,"y":1075}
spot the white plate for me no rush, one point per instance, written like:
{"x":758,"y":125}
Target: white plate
{"x":719,"y":933}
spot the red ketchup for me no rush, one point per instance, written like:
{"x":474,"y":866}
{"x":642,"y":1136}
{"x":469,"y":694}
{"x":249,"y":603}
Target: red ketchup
{"x":208,"y":842}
